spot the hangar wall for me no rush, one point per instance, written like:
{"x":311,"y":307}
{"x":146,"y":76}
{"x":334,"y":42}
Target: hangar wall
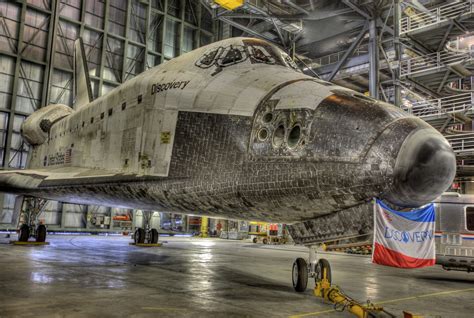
{"x":122,"y":38}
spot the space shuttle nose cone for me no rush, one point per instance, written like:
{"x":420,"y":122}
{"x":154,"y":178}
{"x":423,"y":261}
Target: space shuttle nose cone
{"x":425,"y":167}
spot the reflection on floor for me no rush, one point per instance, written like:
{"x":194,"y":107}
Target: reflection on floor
{"x":190,"y":277}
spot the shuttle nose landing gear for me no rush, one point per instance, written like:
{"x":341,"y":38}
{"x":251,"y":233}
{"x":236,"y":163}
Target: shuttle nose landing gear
{"x":302,"y":270}
{"x":321,"y":271}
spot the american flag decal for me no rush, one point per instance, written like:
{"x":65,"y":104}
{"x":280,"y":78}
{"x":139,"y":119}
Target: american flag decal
{"x":67,"y":157}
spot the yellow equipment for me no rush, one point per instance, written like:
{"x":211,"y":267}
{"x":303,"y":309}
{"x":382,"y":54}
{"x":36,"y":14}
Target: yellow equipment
{"x":204,"y":226}
{"x":341,"y":301}
{"x":230,"y":4}
{"x":29,"y":243}
{"x":146,"y":244}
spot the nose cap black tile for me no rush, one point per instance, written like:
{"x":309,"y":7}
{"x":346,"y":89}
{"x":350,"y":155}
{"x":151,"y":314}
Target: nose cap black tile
{"x":424,"y":169}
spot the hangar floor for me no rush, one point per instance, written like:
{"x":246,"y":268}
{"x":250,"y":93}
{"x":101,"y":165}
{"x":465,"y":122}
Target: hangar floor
{"x":79,"y":276}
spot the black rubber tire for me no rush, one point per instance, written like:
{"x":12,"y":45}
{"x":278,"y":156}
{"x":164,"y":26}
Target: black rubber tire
{"x":255,"y":240}
{"x":139,"y":237}
{"x":24,"y":234}
{"x":41,"y":233}
{"x":299,"y":275}
{"x":323,"y":264}
{"x":154,"y":235}
{"x":265,"y":241}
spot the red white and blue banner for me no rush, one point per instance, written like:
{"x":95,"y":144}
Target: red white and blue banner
{"x":404,"y":239}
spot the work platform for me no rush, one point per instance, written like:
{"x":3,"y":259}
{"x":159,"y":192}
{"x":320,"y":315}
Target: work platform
{"x":430,"y":27}
{"x":433,"y":109}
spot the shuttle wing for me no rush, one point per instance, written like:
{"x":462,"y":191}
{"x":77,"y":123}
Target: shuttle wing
{"x":18,"y":181}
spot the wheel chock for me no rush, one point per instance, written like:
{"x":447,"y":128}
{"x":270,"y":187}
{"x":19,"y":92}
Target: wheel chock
{"x":29,"y":243}
{"x":146,"y":244}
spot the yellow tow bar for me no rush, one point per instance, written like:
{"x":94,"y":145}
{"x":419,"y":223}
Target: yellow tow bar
{"x":341,"y":301}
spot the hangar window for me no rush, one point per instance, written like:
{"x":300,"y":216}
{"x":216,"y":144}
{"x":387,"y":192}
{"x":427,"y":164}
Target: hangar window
{"x":470,"y":218}
{"x":124,"y":105}
{"x":139,"y":99}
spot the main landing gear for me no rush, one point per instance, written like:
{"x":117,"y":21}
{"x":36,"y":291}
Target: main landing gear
{"x":30,"y":211}
{"x":146,"y":235}
{"x":320,"y":270}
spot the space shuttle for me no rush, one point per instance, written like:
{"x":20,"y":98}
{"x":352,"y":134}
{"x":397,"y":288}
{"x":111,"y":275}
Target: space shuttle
{"x":234,"y":130}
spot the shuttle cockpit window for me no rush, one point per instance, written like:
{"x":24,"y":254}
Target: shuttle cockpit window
{"x":470,"y":218}
{"x":256,"y":51}
{"x":259,"y":54}
{"x":232,"y":55}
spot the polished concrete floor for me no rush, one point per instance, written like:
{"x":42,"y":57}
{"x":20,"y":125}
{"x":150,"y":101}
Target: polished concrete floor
{"x":92,"y":276}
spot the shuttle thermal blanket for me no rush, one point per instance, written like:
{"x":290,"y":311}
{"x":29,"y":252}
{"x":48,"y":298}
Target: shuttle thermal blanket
{"x":404,"y":239}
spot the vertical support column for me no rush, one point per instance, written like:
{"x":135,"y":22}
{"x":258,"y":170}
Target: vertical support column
{"x":374,"y":59}
{"x":63,"y":215}
{"x":103,"y":56}
{"x":17,"y":211}
{"x":134,"y":220}
{"x":204,"y":226}
{"x":313,"y":258}
{"x":163,"y":33}
{"x":182,"y":5}
{"x":53,"y":30}
{"x":16,"y":80}
{"x":111,"y":215}
{"x":125,"y":46}
{"x":198,"y":17}
{"x":398,"y":53}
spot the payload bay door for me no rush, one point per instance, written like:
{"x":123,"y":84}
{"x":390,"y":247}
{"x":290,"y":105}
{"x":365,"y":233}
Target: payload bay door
{"x":157,"y":141}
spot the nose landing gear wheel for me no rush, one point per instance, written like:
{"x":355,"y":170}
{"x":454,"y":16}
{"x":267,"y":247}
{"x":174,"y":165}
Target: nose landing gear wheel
{"x":139,"y":236}
{"x":300,"y":275}
{"x":323,"y":271}
{"x":41,"y":233}
{"x":24,"y":234}
{"x":154,"y":236}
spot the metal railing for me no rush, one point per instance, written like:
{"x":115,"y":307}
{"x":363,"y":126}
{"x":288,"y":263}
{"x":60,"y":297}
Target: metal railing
{"x":436,"y":15}
{"x":336,"y":57}
{"x":434,"y":61}
{"x":462,"y":143}
{"x":441,"y":106}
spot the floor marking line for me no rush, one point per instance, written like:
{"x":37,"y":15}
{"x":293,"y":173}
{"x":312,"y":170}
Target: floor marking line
{"x":163,"y":308}
{"x":426,"y":295}
{"x":388,"y":301}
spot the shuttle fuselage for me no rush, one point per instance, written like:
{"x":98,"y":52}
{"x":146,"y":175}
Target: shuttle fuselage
{"x":233,"y":130}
